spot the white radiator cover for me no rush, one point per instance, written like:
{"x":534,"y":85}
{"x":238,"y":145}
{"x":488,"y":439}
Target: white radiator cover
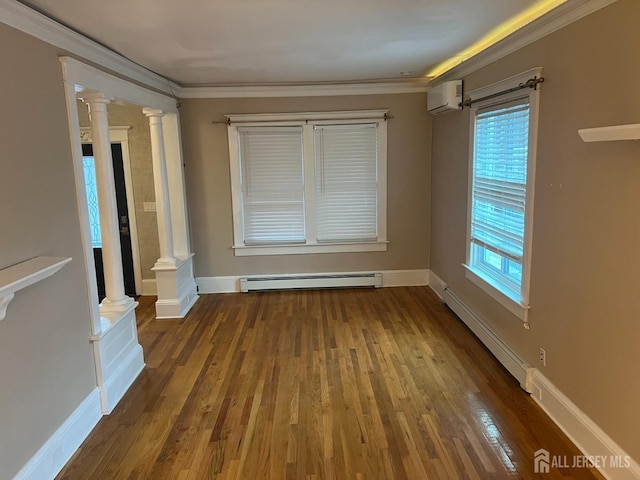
{"x":288,"y":282}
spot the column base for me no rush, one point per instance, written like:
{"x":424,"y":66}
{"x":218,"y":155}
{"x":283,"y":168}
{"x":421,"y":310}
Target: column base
{"x":118,"y":356}
{"x":177,"y":291}
{"x":123,"y":305}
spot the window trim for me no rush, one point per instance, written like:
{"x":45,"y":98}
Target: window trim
{"x":307,"y":121}
{"x":518,"y":305}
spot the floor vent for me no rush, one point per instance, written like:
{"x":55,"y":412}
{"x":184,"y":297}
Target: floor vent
{"x":289,"y":282}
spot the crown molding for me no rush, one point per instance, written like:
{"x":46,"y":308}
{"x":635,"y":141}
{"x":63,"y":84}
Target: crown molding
{"x":37,"y":25}
{"x":33,"y":23}
{"x":310,"y":90}
{"x":565,"y":14}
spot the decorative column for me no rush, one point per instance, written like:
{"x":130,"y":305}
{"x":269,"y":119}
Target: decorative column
{"x":115,"y":300}
{"x":161,"y":186}
{"x":174,"y":274}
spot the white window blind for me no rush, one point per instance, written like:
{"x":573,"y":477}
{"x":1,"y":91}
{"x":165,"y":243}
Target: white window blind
{"x":500,"y":189}
{"x":346,"y":182}
{"x":272,"y":185}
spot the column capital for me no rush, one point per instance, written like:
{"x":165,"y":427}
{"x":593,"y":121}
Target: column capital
{"x":153,"y":112}
{"x":94,"y":98}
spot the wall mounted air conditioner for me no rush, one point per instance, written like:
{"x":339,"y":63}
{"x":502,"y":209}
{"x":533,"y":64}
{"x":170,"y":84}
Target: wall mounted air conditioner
{"x":445,"y":97}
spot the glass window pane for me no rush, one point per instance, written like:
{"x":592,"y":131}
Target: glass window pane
{"x":92,"y":200}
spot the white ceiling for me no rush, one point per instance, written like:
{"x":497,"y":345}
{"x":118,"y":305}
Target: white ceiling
{"x":262,"y":42}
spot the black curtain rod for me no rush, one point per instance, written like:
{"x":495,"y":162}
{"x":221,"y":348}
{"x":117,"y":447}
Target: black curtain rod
{"x":531,"y":83}
{"x":306,"y":120}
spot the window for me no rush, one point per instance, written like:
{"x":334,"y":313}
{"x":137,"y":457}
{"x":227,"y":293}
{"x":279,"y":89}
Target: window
{"x":88,"y":163}
{"x":308,"y":183}
{"x":501,"y":193}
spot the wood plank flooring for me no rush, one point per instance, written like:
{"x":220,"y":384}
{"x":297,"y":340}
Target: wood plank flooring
{"x":309,"y":385}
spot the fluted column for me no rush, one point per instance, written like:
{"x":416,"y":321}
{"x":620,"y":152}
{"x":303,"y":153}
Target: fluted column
{"x":161,"y":186}
{"x":107,"y":206}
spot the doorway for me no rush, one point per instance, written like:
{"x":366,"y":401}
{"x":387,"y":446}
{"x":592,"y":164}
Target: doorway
{"x":123,"y":217}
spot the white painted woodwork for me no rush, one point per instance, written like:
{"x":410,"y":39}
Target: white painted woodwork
{"x":177,"y":189}
{"x":51,"y":457}
{"x":586,"y":434}
{"x":118,"y":355}
{"x":611,"y":134}
{"x":25,"y":274}
{"x":107,"y":206}
{"x":161,"y":186}
{"x":120,"y":134}
{"x":176,"y":288}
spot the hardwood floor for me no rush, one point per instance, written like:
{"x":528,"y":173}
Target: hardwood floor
{"x":331,"y":384}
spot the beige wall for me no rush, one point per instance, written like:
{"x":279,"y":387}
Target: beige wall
{"x":209,"y":190}
{"x":141,"y":176}
{"x":46,"y":362}
{"x":586,"y":255}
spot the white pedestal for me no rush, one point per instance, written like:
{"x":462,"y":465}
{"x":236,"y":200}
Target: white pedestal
{"x":177,"y":291}
{"x":118,"y":355}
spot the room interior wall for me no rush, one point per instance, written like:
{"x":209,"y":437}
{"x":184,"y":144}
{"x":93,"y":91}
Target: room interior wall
{"x":586,"y":232}
{"x":141,"y":176}
{"x":207,"y":174}
{"x":46,"y":360}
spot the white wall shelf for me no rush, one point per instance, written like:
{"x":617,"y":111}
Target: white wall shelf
{"x":610,"y":134}
{"x":24,"y":274}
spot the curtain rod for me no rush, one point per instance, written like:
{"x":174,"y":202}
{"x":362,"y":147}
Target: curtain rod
{"x":306,"y":120}
{"x":531,"y":83}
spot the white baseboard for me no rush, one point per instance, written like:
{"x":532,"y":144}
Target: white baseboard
{"x":437,"y":284}
{"x":149,"y":287}
{"x":56,"y":452}
{"x":583,"y":432}
{"x":390,"y":278}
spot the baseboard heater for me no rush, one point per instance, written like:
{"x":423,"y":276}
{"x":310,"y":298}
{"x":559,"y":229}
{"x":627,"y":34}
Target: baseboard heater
{"x":306,"y":282}
{"x":516,"y":366}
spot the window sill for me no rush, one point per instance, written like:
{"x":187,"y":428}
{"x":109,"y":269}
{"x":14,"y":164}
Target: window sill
{"x":246,"y":251}
{"x":491,"y":288}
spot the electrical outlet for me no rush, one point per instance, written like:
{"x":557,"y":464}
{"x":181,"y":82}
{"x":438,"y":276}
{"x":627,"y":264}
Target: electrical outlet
{"x":543,"y":357}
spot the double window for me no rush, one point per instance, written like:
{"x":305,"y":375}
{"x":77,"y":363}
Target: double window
{"x":501,"y":193}
{"x":308,"y":183}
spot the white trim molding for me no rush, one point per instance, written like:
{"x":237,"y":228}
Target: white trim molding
{"x":37,"y":25}
{"x":305,"y":124}
{"x":305,"y":90}
{"x":590,"y":439}
{"x":437,"y":284}
{"x":88,"y":79}
{"x":582,"y":431}
{"x":390,"y":278}
{"x":559,"y":17}
{"x":51,"y":458}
